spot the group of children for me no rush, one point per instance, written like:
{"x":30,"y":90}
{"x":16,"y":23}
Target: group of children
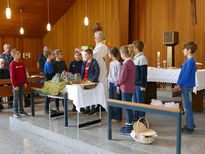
{"x":130,"y":80}
{"x":87,"y":69}
{"x":127,"y":79}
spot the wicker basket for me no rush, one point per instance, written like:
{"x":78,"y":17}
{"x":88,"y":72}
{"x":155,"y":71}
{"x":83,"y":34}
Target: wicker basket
{"x":141,"y":133}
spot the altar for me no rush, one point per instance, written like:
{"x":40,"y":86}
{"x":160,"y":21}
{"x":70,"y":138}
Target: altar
{"x":86,"y":97}
{"x":171,"y":76}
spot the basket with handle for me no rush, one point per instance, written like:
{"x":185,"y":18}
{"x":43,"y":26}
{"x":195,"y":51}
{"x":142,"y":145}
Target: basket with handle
{"x":142,"y":133}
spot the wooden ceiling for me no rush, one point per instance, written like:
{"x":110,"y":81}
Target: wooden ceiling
{"x":35,"y":16}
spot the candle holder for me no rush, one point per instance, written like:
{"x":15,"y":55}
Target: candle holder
{"x":164,"y":64}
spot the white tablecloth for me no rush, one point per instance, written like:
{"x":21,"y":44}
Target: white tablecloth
{"x":86,"y":97}
{"x":171,"y":76}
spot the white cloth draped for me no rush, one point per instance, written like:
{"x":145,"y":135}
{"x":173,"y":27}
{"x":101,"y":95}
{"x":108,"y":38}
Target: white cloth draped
{"x":86,"y":97}
{"x":171,"y":76}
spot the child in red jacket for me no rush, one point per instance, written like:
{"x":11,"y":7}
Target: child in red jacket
{"x":19,"y":82}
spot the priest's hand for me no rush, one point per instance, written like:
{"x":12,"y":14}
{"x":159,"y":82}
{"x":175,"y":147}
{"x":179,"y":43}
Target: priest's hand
{"x":176,"y":88}
{"x":25,"y":85}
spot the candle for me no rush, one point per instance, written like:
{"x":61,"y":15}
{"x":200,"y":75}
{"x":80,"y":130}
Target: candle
{"x":158,"y":59}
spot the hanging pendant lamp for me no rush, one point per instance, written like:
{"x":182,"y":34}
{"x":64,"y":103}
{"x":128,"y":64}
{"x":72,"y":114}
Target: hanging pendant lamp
{"x":21,"y":29}
{"x":8,"y":11}
{"x":86,"y":21}
{"x":48,"y":25}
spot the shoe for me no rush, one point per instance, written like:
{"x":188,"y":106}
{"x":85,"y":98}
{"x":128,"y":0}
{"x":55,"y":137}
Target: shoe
{"x":92,"y":111}
{"x":82,"y":110}
{"x":74,"y":110}
{"x":56,"y":113}
{"x":126,"y":129}
{"x":185,"y":126}
{"x":86,"y":111}
{"x":16,"y":115}
{"x":187,"y":130}
{"x":23,"y":114}
{"x":53,"y":113}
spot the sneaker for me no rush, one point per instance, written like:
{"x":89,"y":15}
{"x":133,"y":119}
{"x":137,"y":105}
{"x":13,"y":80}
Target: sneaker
{"x":23,"y":114}
{"x":187,"y":130}
{"x":126,"y":129}
{"x":185,"y":126}
{"x":16,"y":115}
{"x":86,"y":111}
{"x":74,"y":110}
{"x":92,"y":111}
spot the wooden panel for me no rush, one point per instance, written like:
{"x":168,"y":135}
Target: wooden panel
{"x":6,"y":91}
{"x":158,"y":16}
{"x":35,"y":16}
{"x":32,"y":45}
{"x":69,"y":32}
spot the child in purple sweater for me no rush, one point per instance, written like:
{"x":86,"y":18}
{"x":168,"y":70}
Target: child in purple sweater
{"x":126,"y":82}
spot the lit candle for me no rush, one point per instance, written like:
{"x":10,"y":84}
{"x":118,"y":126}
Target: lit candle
{"x":158,"y":59}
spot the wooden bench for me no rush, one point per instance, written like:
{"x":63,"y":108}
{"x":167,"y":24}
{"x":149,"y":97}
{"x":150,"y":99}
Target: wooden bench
{"x":146,"y":108}
{"x":7,"y":90}
{"x":62,"y":95}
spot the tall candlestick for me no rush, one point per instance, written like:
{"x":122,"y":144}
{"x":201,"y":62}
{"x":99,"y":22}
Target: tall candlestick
{"x":158,"y":59}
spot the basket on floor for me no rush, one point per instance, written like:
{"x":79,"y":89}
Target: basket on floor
{"x":142,"y":133}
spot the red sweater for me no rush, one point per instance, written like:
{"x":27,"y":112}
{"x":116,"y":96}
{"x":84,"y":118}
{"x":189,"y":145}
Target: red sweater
{"x":17,"y":73}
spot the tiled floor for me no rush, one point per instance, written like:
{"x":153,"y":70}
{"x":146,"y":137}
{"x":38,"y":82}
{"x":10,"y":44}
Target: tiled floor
{"x":41,"y":135}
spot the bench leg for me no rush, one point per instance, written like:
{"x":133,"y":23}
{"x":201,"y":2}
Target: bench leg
{"x":32,"y":104}
{"x":178,"y":146}
{"x":109,"y":123}
{"x":65,"y":111}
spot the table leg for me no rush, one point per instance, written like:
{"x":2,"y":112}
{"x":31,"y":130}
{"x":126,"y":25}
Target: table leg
{"x":109,"y":123}
{"x":65,"y":111}
{"x":178,"y":144}
{"x":32,"y":104}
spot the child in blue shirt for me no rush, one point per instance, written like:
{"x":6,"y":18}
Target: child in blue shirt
{"x":49,"y":73}
{"x":186,"y":82}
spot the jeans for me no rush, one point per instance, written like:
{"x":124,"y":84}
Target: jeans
{"x":187,"y":102}
{"x":18,"y":99}
{"x":138,"y":97}
{"x":116,"y":111}
{"x":57,"y":103}
{"x":128,"y":112}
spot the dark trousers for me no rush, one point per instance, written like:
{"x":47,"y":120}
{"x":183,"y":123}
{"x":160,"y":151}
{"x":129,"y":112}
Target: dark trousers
{"x":57,"y":103}
{"x":116,"y":112}
{"x":18,"y":99}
